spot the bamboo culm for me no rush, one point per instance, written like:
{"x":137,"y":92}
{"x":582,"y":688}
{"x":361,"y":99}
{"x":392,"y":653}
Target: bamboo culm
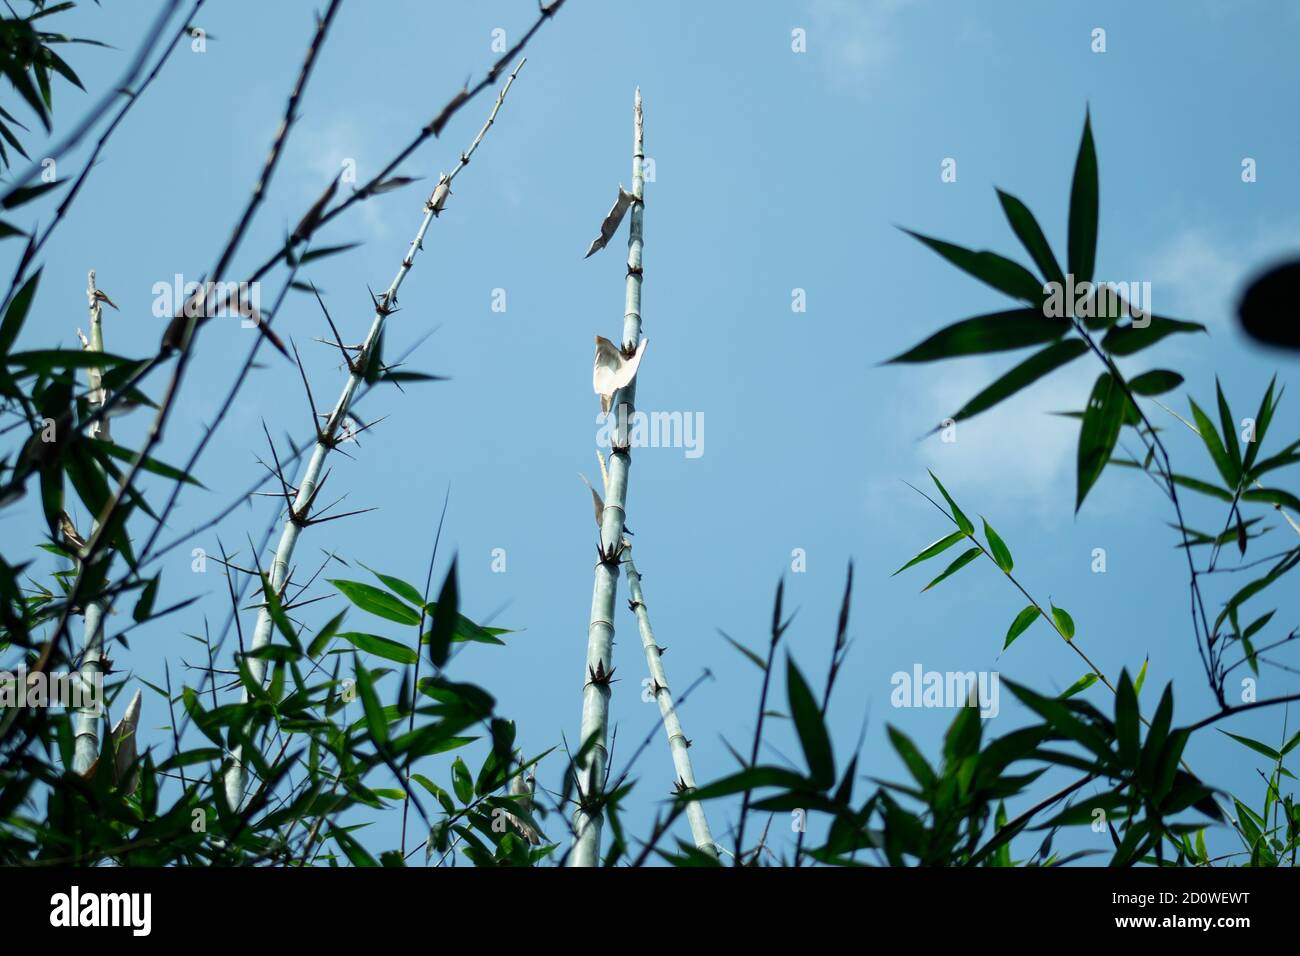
{"x":677,"y":742}
{"x":589,"y":816}
{"x":311,"y":476}
{"x":86,"y":747}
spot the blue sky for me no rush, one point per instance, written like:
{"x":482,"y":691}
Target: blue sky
{"x":774,"y":171}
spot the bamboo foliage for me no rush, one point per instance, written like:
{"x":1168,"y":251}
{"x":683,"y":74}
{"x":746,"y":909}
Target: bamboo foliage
{"x":678,"y":744}
{"x":86,"y":747}
{"x":332,"y":432}
{"x":593,"y":759}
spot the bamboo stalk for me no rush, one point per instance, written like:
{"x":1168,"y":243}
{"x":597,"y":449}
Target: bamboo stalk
{"x":589,"y":816}
{"x":86,"y":745}
{"x":326,"y":440}
{"x":677,"y":742}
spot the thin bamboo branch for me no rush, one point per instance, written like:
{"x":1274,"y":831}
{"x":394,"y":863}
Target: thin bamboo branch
{"x":90,"y":672}
{"x":132,"y":97}
{"x":589,"y":816}
{"x":677,"y":742}
{"x":97,"y":542}
{"x":325,"y":441}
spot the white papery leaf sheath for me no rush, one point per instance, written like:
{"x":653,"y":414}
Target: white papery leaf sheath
{"x":612,"y":371}
{"x":612,"y":220}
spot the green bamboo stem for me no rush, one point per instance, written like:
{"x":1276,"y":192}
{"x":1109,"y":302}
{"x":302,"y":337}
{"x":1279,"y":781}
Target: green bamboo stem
{"x":589,"y":816}
{"x":327,"y":437}
{"x":677,"y":742}
{"x":86,"y":745}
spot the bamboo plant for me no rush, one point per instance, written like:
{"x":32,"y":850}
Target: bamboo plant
{"x":678,"y":743}
{"x":332,"y":432}
{"x":594,"y":756}
{"x":86,"y":747}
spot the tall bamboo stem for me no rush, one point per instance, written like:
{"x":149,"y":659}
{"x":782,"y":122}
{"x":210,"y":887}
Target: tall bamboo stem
{"x":86,"y":746}
{"x":326,"y":440}
{"x":589,"y":816}
{"x":677,"y":742}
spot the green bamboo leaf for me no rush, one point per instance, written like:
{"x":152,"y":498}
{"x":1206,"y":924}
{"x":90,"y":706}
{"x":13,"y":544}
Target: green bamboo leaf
{"x":1102,"y":421}
{"x":398,"y":586}
{"x":467,"y":630}
{"x":151,"y":465}
{"x":1155,"y":382}
{"x":1284,"y":565}
{"x":381,"y":647}
{"x":995,"y":332}
{"x":324,"y":251}
{"x":912,"y":759}
{"x":1288,"y":456}
{"x":1030,"y":234}
{"x":1142,"y":676}
{"x":930,"y":551}
{"x":461,"y":781}
{"x":1001,"y":553}
{"x":1084,"y":193}
{"x":188,"y":758}
{"x":1157,"y":735}
{"x":1214,"y":445}
{"x":1254,"y":745}
{"x":1026,"y":373}
{"x":1062,"y":719}
{"x":1021,"y":624}
{"x":1063,"y":621}
{"x":1257,"y":625}
{"x":966,"y":558}
{"x":1230,"y":446}
{"x":962,"y":521}
{"x":990,"y":268}
{"x":445,"y":619}
{"x":16,"y":314}
{"x":1262,"y":419}
{"x":751,"y":778}
{"x":376,"y":719}
{"x":1291,"y":744}
{"x":48,"y":361}
{"x":749,"y":655}
{"x":1126,"y":721}
{"x":808,"y":722}
{"x":354,"y":851}
{"x":1204,"y":487}
{"x":325,"y":635}
{"x":26,"y":194}
{"x":376,"y":601}
{"x":1127,"y":339}
{"x":1273,"y":496}
{"x":1079,"y":686}
{"x":144,"y":606}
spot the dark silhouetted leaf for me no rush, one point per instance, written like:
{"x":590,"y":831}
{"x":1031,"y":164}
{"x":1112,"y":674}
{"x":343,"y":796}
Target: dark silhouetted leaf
{"x":1084,"y":194}
{"x":995,"y":332}
{"x":990,"y":268}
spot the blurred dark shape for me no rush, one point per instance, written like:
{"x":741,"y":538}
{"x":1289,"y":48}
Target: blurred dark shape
{"x":1270,"y":308}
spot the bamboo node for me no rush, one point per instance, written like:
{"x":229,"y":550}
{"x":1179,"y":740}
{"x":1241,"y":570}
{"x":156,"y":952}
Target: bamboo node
{"x":599,"y":676}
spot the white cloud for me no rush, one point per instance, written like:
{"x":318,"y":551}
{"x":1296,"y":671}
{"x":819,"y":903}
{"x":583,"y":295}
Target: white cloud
{"x":322,"y":151}
{"x":857,"y":40}
{"x":1017,"y":454}
{"x":1018,"y":447}
{"x":1199,"y":277}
